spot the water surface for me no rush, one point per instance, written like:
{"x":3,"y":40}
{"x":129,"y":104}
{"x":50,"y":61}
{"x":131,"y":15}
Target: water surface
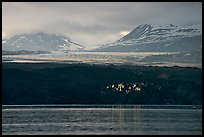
{"x":102,"y":119}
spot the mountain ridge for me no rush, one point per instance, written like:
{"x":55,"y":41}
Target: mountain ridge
{"x":157,"y":38}
{"x":40,"y":41}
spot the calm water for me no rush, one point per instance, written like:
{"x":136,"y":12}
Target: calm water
{"x":102,"y":119}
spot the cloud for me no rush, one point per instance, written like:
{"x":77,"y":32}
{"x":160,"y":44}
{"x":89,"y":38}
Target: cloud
{"x":93,"y":23}
{"x":124,"y":32}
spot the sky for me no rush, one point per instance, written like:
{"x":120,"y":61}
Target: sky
{"x":93,"y":23}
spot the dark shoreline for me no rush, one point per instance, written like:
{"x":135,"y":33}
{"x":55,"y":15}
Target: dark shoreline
{"x":74,"y":63}
{"x":55,"y":83}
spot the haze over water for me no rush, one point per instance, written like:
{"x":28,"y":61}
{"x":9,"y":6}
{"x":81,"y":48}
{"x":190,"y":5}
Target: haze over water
{"x":126,"y":58}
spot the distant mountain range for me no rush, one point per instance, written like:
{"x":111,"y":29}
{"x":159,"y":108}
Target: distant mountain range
{"x":158,"y":38}
{"x":40,"y":42}
{"x":144,"y":38}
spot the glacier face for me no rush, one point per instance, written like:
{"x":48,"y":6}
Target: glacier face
{"x":40,"y":42}
{"x":158,"y":38}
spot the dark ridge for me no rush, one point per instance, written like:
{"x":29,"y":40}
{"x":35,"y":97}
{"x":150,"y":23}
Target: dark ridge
{"x":54,"y":83}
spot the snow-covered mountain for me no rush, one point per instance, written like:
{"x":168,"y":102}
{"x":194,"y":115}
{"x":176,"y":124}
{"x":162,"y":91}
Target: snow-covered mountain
{"x":40,"y":42}
{"x":158,"y":38}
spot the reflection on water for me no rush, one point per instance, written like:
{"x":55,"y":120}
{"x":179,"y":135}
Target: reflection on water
{"x":123,"y":118}
{"x":110,"y":119}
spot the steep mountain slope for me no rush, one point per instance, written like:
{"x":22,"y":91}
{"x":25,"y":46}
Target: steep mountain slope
{"x":40,"y":42}
{"x":158,"y":38}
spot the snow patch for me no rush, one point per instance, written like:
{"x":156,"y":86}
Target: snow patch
{"x":66,"y":40}
{"x":60,"y":46}
{"x":168,"y":44}
{"x":22,"y":37}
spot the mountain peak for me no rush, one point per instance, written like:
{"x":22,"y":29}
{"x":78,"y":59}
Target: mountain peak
{"x":158,"y":37}
{"x":159,"y":32}
{"x":138,"y":32}
{"x":40,"y":41}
